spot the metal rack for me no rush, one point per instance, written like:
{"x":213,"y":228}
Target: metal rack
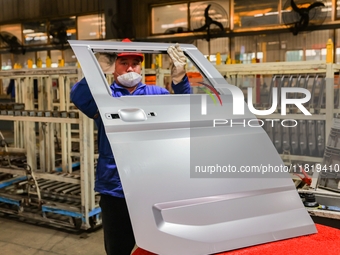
{"x":53,"y":184}
{"x":323,"y":84}
{"x":324,"y":106}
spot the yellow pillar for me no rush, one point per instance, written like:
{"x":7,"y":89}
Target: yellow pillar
{"x":218,"y":58}
{"x":159,"y":61}
{"x":29,"y":63}
{"x":228,"y":60}
{"x":329,"y":51}
{"x":61,"y":62}
{"x":39,"y":63}
{"x":264,"y":52}
{"x":48,"y":62}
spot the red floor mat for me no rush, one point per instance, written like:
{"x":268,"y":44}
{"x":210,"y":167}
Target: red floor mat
{"x":325,"y":242}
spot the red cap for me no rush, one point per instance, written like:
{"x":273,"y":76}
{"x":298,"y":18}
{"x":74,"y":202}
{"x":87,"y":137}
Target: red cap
{"x":140,"y":55}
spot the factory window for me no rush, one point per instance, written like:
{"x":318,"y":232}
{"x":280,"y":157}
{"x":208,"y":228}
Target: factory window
{"x":316,"y":54}
{"x":170,"y":19}
{"x":10,"y":39}
{"x":337,"y":9}
{"x":217,"y":11}
{"x":317,"y":15}
{"x":91,"y":27}
{"x":13,"y":29}
{"x":261,"y":13}
{"x":294,"y":55}
{"x":35,"y":32}
{"x":61,"y":30}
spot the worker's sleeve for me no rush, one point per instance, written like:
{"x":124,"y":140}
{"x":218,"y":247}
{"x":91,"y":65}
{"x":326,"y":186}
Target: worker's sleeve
{"x":82,"y":98}
{"x":183,"y":87}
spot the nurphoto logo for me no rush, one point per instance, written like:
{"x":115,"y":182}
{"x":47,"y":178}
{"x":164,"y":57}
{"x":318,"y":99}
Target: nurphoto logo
{"x":238,"y":104}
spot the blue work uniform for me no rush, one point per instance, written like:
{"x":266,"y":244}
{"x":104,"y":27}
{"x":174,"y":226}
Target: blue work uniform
{"x":107,"y":178}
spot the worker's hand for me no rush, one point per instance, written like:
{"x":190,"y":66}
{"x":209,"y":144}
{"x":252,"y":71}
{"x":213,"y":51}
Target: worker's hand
{"x":178,"y":62}
{"x":107,"y":62}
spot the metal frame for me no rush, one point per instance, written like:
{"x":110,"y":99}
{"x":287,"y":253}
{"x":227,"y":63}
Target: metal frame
{"x":82,"y":205}
{"x":302,"y":67}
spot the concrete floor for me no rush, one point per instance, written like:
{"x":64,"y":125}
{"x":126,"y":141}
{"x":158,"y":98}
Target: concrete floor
{"x":22,"y":237}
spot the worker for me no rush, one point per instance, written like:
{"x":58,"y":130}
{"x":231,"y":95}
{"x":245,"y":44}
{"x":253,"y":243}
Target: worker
{"x":11,"y":88}
{"x":126,"y":69}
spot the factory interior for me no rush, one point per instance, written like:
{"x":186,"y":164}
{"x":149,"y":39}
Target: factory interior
{"x":283,"y":55}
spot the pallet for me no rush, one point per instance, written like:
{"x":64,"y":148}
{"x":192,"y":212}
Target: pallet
{"x":50,"y":201}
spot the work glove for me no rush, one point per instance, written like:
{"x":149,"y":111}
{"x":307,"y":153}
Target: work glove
{"x":178,"y":62}
{"x":106,"y":62}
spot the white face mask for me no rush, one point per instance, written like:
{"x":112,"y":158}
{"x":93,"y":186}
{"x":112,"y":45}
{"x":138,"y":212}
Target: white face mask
{"x":130,"y":79}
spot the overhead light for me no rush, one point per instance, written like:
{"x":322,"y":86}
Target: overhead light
{"x":27,"y":31}
{"x":71,"y":31}
{"x":180,"y":24}
{"x":326,"y":9}
{"x":39,"y":34}
{"x":97,"y":23}
{"x":271,"y":13}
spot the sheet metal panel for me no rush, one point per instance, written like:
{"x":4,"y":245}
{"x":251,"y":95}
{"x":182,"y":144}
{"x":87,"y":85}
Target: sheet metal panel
{"x":173,"y":209}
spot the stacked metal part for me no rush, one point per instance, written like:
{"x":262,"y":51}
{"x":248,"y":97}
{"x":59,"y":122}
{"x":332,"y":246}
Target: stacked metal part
{"x":18,"y":109}
{"x":329,"y":177}
{"x":307,"y":138}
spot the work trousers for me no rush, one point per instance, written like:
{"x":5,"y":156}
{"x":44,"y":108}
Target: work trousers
{"x":118,"y":234}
